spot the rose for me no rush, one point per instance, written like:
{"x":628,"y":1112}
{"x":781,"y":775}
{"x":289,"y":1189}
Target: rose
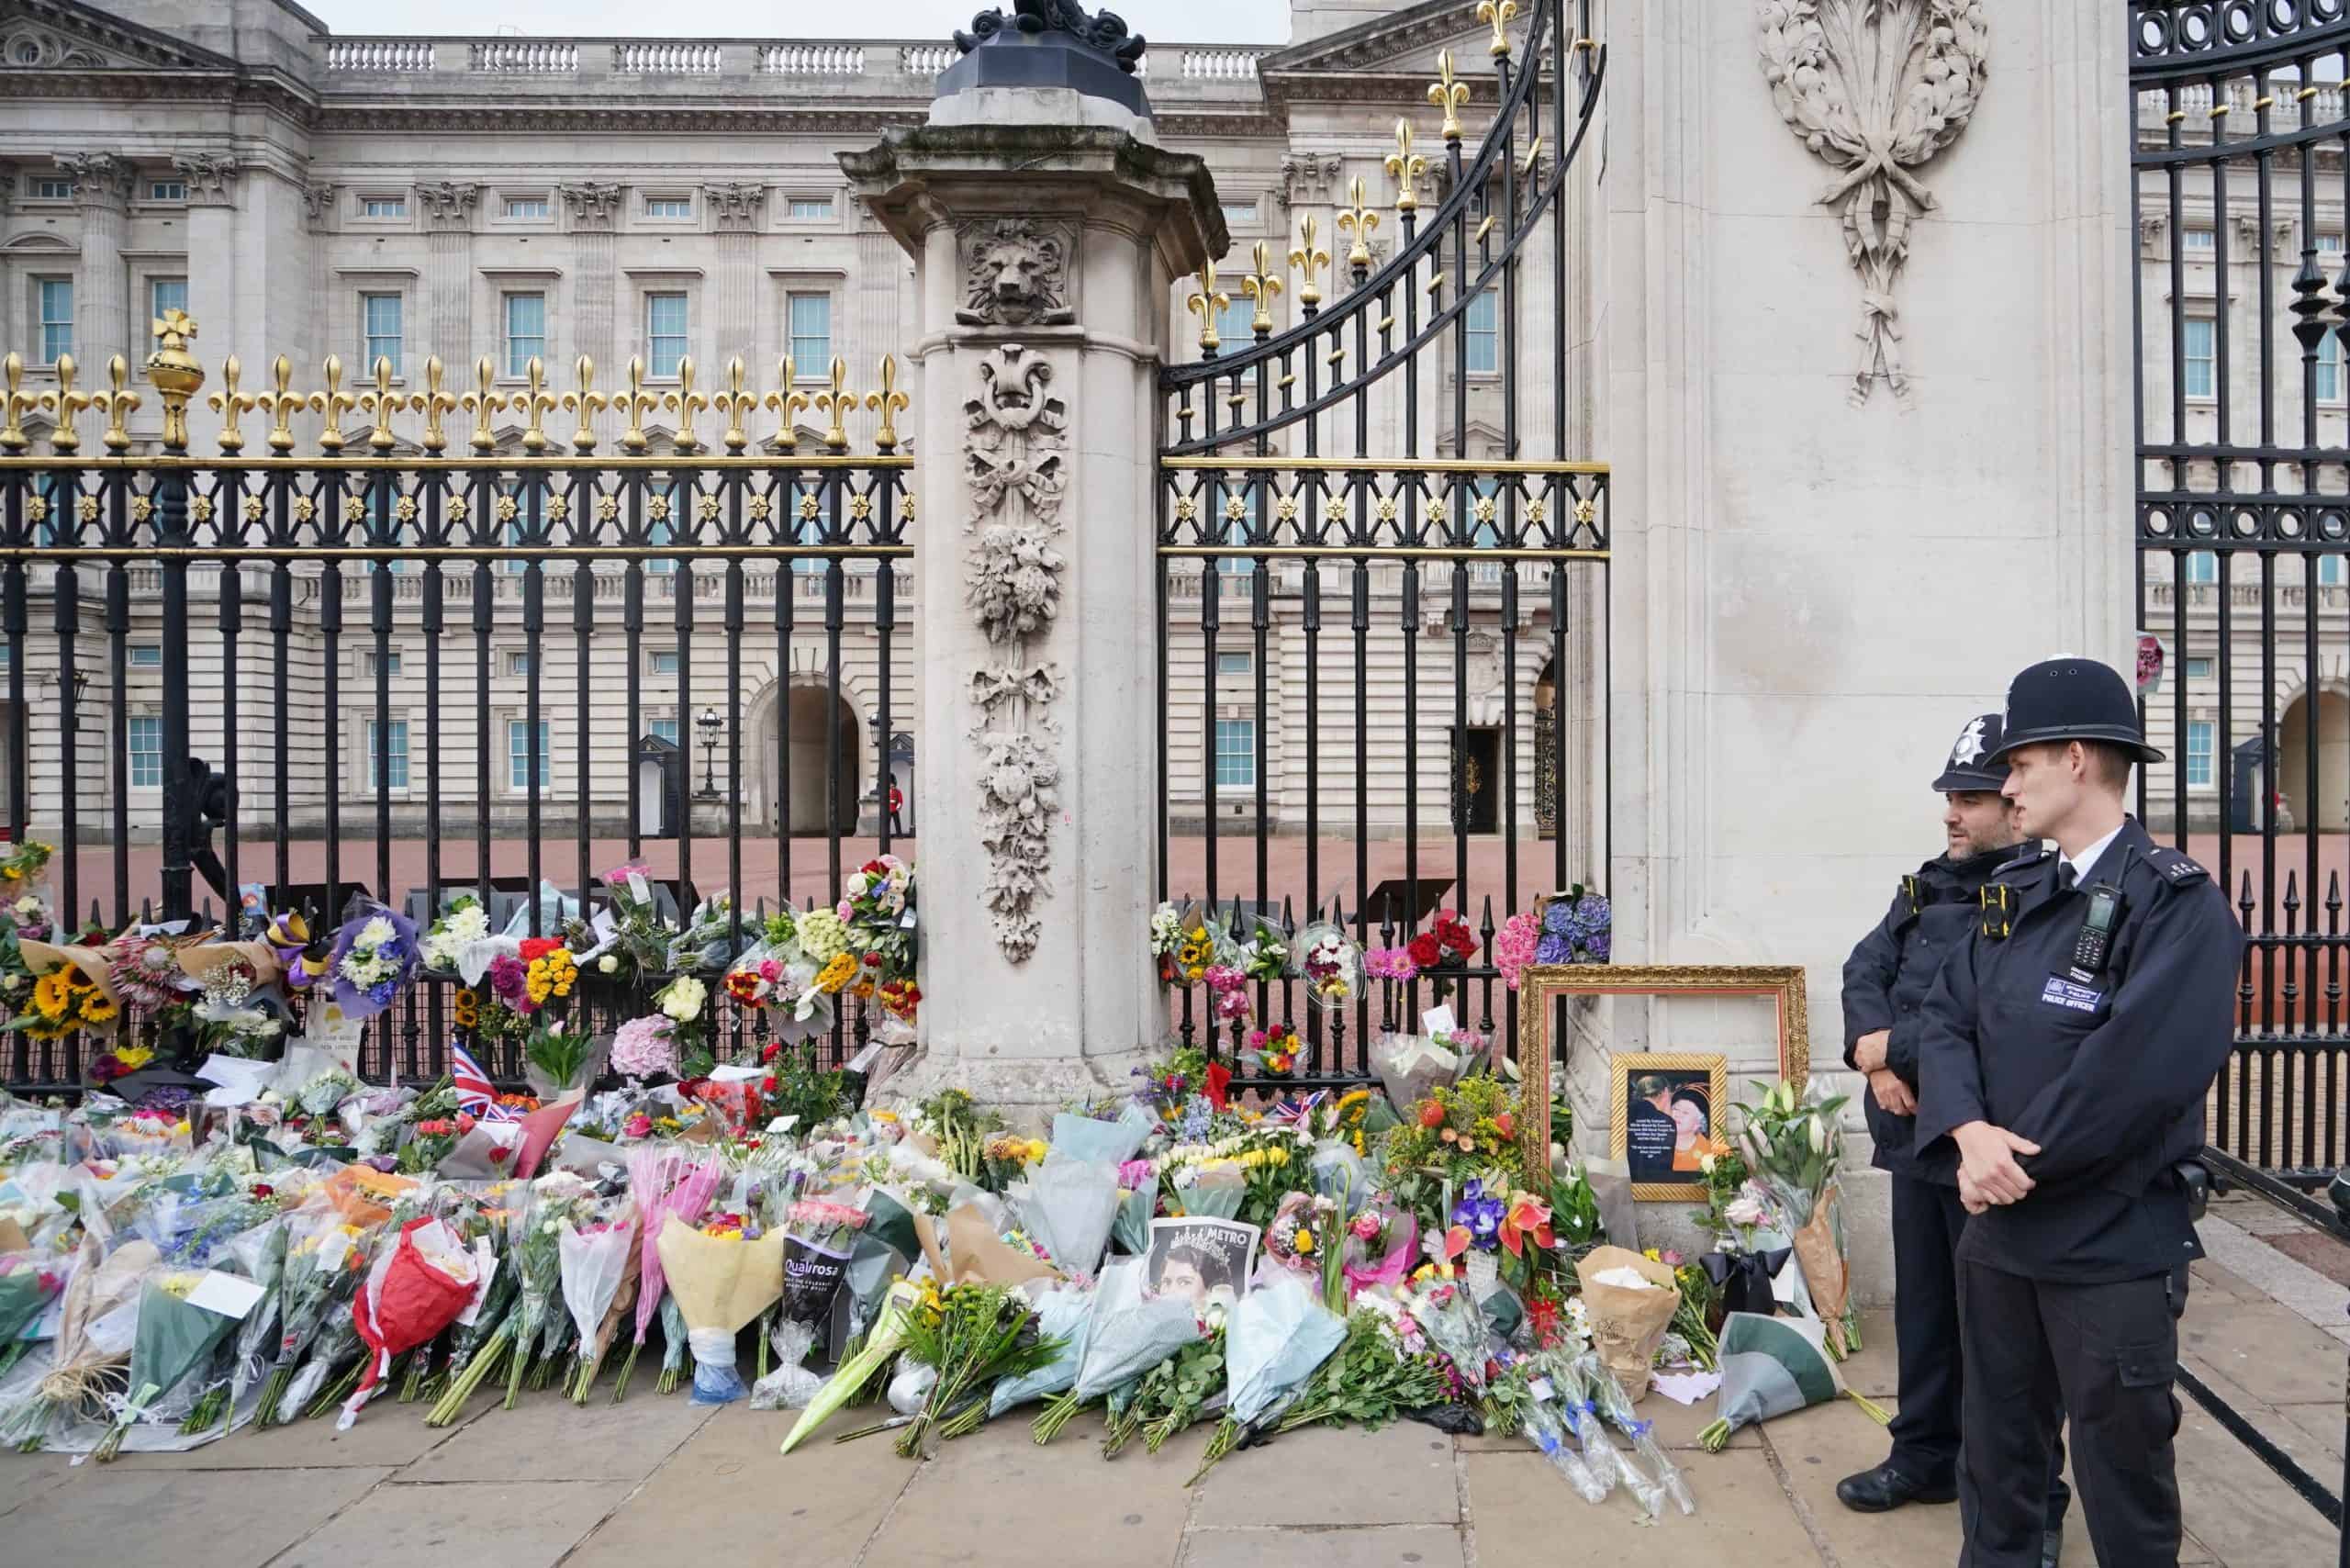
{"x":1426,"y":950}
{"x":608,"y":964}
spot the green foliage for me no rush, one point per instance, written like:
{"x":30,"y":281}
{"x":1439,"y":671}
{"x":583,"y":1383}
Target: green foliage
{"x":806,"y":1089}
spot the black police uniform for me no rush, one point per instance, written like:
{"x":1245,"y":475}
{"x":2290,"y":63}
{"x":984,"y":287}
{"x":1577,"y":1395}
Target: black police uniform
{"x":1885,"y":981}
{"x":2068,"y":1300}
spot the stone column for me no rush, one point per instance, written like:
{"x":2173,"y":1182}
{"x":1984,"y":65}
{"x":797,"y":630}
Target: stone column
{"x":448,"y":278}
{"x":320,"y":217}
{"x":734,"y":311}
{"x":595,"y":217}
{"x":1045,"y":248}
{"x":1816,"y":580}
{"x":102,"y":305}
{"x":212,"y":256}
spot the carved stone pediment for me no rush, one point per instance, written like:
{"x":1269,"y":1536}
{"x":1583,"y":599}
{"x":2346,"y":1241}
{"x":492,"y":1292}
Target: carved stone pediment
{"x":1015,"y":272}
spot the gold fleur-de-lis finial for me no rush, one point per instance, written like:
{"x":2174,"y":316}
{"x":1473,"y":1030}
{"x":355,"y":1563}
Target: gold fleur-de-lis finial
{"x":534,"y":403}
{"x":115,"y":402}
{"x":1359,"y":221}
{"x":174,"y":374}
{"x":1498,"y":14}
{"x":334,"y":402}
{"x":890,"y":402}
{"x":1309,"y":259}
{"x":15,"y":404}
{"x":787,"y":405}
{"x":636,"y":402}
{"x":432,"y":403}
{"x":62,"y":405}
{"x":481,"y":402}
{"x":1259,"y":287}
{"x":381,"y":404}
{"x":586,"y":402}
{"x":685,"y":402}
{"x":1405,"y":167}
{"x":228,"y":403}
{"x":736,"y":405}
{"x":1450,"y":95}
{"x":281,"y":405}
{"x":837,"y":405}
{"x":1205,"y":304}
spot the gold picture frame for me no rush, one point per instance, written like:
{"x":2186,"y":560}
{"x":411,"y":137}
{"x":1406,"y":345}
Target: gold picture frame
{"x":1540,"y":985}
{"x":1698,"y":1078}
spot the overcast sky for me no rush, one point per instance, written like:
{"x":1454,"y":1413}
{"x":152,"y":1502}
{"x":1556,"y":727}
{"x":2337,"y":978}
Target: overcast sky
{"x":1179,"y":21}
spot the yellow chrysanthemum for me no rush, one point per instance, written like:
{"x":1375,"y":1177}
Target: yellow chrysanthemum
{"x":837,"y":972}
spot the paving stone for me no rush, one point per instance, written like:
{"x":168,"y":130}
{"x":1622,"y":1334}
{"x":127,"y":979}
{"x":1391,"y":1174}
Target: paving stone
{"x":2267,"y":1351}
{"x":996,"y":1500}
{"x":2214,"y":1279}
{"x":512,"y":1524}
{"x":2262,"y":1263}
{"x":24,"y":1476}
{"x":1819,"y":1447}
{"x":1521,"y":1511}
{"x":386,"y":1434}
{"x":1378,"y":1546}
{"x":1876,"y":1367}
{"x":2315,"y":1250}
{"x":826,"y":1498}
{"x":547,"y":1438}
{"x":146,"y":1515}
{"x":1400,"y":1474}
{"x":2236,"y":1507}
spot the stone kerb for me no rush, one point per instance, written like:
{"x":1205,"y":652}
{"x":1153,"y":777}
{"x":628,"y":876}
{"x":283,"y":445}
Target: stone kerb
{"x":1044,"y":255}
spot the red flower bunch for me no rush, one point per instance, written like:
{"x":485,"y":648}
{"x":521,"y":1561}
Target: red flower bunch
{"x":1447,"y":941}
{"x":901,"y":997}
{"x":537,"y":947}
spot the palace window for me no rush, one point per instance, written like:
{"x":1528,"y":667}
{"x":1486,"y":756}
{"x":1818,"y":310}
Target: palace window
{"x":526,"y":331}
{"x":668,"y":207}
{"x":1243,"y":663}
{"x":665,"y":661}
{"x":664,"y":331}
{"x":383,"y":206}
{"x":2199,"y":753}
{"x":167,"y":190}
{"x":2329,"y":571}
{"x":1234,"y":325}
{"x":389,"y":661}
{"x":146,"y":737}
{"x":1483,"y":322}
{"x":52,"y":190}
{"x":2201,"y":338}
{"x":2329,"y":369}
{"x":393,"y":764}
{"x":2198,"y":669}
{"x":2202,"y":568}
{"x":665,"y":728}
{"x":379,"y":316}
{"x":2196,"y":241}
{"x":165,"y":294}
{"x":811,"y":322}
{"x":806,"y":207}
{"x":1236,"y":753}
{"x":146,"y":655}
{"x":527,"y":206}
{"x":518,"y":755}
{"x":56,"y":317}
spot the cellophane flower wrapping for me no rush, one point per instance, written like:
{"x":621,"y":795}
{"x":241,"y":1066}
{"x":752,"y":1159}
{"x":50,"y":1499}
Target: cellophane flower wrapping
{"x":1130,"y":1231}
{"x":1410,"y":1067}
{"x":1342,"y":1176}
{"x":375,"y":955}
{"x":175,"y":1343}
{"x":1383,"y":1256}
{"x":791,"y":1384}
{"x":1546,"y":1428}
{"x":415,"y":1289}
{"x":1579,"y":1413}
{"x":1099,"y":1142}
{"x":1653,"y":1477}
{"x":102,"y":1297}
{"x":719,"y":1283}
{"x":1130,"y":1333}
{"x":1276,"y":1337}
{"x":662,"y":1182}
{"x":1212,"y":1191}
{"x":1065,"y":1313}
{"x":1069,"y":1205}
{"x":29,"y":1282}
{"x":594,"y":1258}
{"x":1772,"y":1366}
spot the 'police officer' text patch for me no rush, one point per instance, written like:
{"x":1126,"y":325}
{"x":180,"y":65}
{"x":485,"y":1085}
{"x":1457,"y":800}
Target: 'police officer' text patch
{"x":2061,"y":992}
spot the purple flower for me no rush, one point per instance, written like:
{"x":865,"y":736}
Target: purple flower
{"x":1560,"y":919}
{"x":509,"y":978}
{"x":1554,"y":949}
{"x":1480,"y":1215}
{"x":1596,"y":945}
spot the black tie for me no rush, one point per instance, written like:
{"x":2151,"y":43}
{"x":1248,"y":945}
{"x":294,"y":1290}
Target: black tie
{"x":2065,"y":876}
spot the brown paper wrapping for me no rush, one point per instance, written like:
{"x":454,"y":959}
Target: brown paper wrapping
{"x":982,"y":1256}
{"x":42,"y":956}
{"x":927,"y":1235}
{"x":1825,"y":1271}
{"x":200,"y":958}
{"x":1626,"y":1326}
{"x":13,"y":1238}
{"x":720,"y":1284}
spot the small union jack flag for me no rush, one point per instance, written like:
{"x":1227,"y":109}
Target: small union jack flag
{"x":475,"y":1093}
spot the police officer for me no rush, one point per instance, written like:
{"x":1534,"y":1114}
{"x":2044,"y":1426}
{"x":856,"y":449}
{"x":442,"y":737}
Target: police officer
{"x":1885,"y":981}
{"x":2067,"y":1050}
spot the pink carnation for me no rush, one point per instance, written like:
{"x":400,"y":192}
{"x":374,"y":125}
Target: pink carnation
{"x":642,"y":1047}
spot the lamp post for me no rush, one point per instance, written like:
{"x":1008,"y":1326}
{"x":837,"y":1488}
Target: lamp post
{"x":709,"y":725}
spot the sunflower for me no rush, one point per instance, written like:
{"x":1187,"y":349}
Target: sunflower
{"x":96,"y":1008}
{"x":52,"y":993}
{"x":469,"y":1009}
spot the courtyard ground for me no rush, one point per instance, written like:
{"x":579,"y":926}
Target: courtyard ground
{"x":615,"y":1487}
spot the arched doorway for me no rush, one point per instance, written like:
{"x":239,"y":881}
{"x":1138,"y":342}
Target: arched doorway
{"x":2330,"y":812}
{"x":1546,"y":751}
{"x":800,"y":723}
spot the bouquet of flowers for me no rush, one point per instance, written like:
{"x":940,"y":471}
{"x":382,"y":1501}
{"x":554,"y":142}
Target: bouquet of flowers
{"x":416,"y":1288}
{"x":1793,"y":1145}
{"x":534,"y":1249}
{"x":145,"y":968}
{"x":683,"y":1002}
{"x":463,"y":922}
{"x":599,"y":1266}
{"x":778,"y":977}
{"x":1368,"y":1380}
{"x":1228,"y":991}
{"x":1138,"y":1203}
{"x":1576,"y":928}
{"x":561,"y":1058}
{"x":704,"y":943}
{"x":69,"y":993}
{"x":1330,"y":962}
{"x":1380,"y":1243}
{"x":972,"y":1335}
{"x":1170,"y":943}
{"x":1771,"y":1366}
{"x":878,"y":903}
{"x":1132,"y":1332}
{"x":321,"y":1246}
{"x":1070,"y":1206}
{"x":1301,"y":1235}
{"x":1278,"y":1335}
{"x":1181,"y":1389}
{"x":29,"y":1282}
{"x":1447,"y":943}
{"x":1264,"y":957}
{"x":231,"y":1017}
{"x":888,"y":1335}
{"x":1631,"y":1300}
{"x":1274,"y":1052}
{"x":1516,"y":945}
{"x":721,"y":1279}
{"x":375,"y":955}
{"x":86,"y":1367}
{"x":661,"y":1183}
{"x":174,"y":1342}
{"x":642,"y":1047}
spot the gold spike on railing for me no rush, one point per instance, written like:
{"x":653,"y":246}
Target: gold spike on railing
{"x":1532,"y":161}
{"x":1405,"y":167}
{"x":1205,"y":304}
{"x":1499,"y":14}
{"x":636,"y":402}
{"x":334,"y":402}
{"x":736,"y":405}
{"x":63,"y":405}
{"x":281,"y":405}
{"x":836,"y":405}
{"x":381,"y":404}
{"x":534,"y":403}
{"x":15,"y":404}
{"x":433,"y":403}
{"x":786,"y":404}
{"x":228,"y":403}
{"x":586,"y":402}
{"x":174,"y":374}
{"x":1450,"y":95}
{"x":116,"y":404}
{"x":481,"y":403}
{"x":890,"y":402}
{"x":1309,"y":259}
{"x":685,"y":402}
{"x":1357,"y":220}
{"x":1259,"y":287}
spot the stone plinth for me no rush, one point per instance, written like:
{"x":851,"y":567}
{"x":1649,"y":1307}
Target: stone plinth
{"x":1044,"y":257}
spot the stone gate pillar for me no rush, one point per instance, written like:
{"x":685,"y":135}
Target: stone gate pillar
{"x":1047,"y":228}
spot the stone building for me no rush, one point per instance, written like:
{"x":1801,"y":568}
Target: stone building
{"x":306,"y":194}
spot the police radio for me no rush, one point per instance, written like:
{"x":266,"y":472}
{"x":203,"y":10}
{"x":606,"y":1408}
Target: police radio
{"x":2095,"y":943}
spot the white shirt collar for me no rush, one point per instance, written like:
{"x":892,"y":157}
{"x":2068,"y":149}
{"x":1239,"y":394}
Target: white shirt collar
{"x":2087,"y":858}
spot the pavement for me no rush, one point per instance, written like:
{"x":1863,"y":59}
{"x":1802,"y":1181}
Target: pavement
{"x":608,"y":1486}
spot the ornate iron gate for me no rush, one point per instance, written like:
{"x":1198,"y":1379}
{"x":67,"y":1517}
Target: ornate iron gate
{"x":1390,"y":459}
{"x":2241,"y":166}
